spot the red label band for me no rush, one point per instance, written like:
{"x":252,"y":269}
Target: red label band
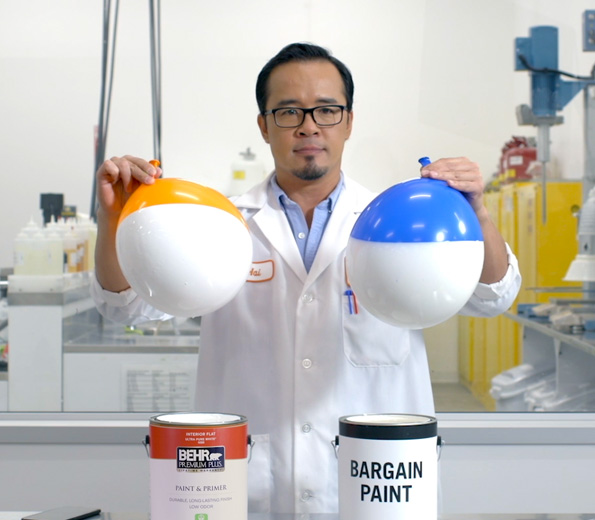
{"x":164,"y":441}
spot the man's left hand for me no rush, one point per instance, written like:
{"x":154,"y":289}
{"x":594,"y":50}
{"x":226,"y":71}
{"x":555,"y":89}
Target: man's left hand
{"x":461,"y":174}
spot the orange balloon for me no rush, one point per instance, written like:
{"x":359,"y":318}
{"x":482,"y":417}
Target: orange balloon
{"x":177,"y":191}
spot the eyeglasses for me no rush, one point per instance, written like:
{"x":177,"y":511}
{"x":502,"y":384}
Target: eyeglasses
{"x":292,"y":117}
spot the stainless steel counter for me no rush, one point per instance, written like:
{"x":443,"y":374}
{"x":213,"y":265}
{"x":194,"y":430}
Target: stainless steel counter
{"x":584,"y":341}
{"x":145,"y":516}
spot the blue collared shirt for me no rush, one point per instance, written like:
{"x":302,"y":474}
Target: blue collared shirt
{"x":306,"y":239}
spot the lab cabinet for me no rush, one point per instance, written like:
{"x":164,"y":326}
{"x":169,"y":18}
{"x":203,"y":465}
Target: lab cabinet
{"x":489,"y":345}
{"x":65,"y":357}
{"x":544,"y":249}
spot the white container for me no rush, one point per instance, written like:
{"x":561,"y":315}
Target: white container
{"x":199,"y":466}
{"x":54,"y":252}
{"x":88,"y":230}
{"x":26,"y":249}
{"x":246,"y":172}
{"x":510,"y":387}
{"x":71,"y":252}
{"x":22,"y":253}
{"x":388,"y":467}
{"x":544,"y":391}
{"x":579,"y":400}
{"x":91,"y":242}
{"x":38,"y":253}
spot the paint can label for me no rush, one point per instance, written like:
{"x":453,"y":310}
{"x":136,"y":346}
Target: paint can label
{"x":199,"y":472}
{"x":385,"y":473}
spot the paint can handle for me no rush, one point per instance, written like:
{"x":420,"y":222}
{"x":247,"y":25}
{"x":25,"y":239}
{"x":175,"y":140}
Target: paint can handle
{"x":251,"y":447}
{"x":335,"y":445}
{"x":439,"y":445}
{"x":145,"y":443}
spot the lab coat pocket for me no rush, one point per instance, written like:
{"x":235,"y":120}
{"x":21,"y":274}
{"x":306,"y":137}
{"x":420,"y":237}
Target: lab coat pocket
{"x":259,"y":475}
{"x":370,"y":342}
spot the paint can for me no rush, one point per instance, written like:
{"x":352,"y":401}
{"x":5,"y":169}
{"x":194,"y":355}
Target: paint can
{"x":388,"y":466}
{"x":198,"y":466}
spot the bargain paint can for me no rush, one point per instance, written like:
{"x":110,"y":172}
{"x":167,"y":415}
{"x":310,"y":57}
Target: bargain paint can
{"x":388,"y":466}
{"x":198,"y":466}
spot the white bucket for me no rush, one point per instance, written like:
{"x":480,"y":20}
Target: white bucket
{"x":198,"y":466}
{"x":388,"y":467}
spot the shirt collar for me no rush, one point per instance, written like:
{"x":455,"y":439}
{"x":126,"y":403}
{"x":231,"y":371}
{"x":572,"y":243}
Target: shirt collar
{"x":283,"y":199}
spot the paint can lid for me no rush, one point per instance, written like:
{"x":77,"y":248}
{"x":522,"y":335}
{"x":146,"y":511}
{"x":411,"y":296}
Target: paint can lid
{"x":198,"y":419}
{"x":388,"y":426}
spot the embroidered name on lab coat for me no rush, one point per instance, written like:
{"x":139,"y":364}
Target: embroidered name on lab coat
{"x":261,"y":271}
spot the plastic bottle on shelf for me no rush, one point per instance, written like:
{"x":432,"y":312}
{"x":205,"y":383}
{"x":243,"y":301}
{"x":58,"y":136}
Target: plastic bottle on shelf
{"x":91,"y":240}
{"x":246,"y":172}
{"x":32,"y":227}
{"x":71,"y":252}
{"x":24,"y":248}
{"x":88,"y":231}
{"x":22,"y":253}
{"x":54,"y":252}
{"x":81,"y":245}
{"x":38,"y":253}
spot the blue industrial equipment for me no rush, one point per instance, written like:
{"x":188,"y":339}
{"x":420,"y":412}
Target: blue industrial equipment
{"x":538,"y":54}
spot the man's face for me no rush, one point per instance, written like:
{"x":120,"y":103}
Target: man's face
{"x":309,"y":151}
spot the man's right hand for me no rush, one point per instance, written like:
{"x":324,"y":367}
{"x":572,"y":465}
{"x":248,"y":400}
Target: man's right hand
{"x":118,"y":177}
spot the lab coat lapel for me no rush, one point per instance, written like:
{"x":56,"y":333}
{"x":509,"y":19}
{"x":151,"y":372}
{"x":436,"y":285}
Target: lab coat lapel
{"x":338,"y":229}
{"x":273,"y":223}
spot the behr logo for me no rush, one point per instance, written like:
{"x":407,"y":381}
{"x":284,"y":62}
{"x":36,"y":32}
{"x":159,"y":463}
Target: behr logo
{"x":201,"y":458}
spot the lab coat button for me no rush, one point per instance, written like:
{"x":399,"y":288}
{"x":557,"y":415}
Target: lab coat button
{"x":306,"y":428}
{"x":307,"y":298}
{"x":307,"y":363}
{"x":306,"y":495}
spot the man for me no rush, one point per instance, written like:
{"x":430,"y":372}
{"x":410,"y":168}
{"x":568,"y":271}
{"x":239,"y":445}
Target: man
{"x":286,"y":352}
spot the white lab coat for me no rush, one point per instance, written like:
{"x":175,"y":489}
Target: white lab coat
{"x":287,"y":354}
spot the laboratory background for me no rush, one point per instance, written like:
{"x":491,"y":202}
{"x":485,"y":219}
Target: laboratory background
{"x":515,"y":395}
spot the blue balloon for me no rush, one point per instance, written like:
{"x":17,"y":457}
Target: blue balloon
{"x":419,"y":210}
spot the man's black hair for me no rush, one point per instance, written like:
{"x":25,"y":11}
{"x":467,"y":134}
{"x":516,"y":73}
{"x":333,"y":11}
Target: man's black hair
{"x":301,"y":52}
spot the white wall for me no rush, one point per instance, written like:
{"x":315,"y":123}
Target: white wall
{"x":433,"y":77}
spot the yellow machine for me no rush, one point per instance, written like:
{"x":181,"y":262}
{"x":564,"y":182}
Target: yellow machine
{"x":488,"y":346}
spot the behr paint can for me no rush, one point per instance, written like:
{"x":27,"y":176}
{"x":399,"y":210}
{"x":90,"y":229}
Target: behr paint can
{"x":388,"y":466}
{"x":198,"y":466}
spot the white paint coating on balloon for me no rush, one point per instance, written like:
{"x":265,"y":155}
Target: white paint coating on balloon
{"x":185,"y":259}
{"x":414,"y":285}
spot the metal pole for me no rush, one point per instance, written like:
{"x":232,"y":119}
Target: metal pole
{"x":543,"y":156}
